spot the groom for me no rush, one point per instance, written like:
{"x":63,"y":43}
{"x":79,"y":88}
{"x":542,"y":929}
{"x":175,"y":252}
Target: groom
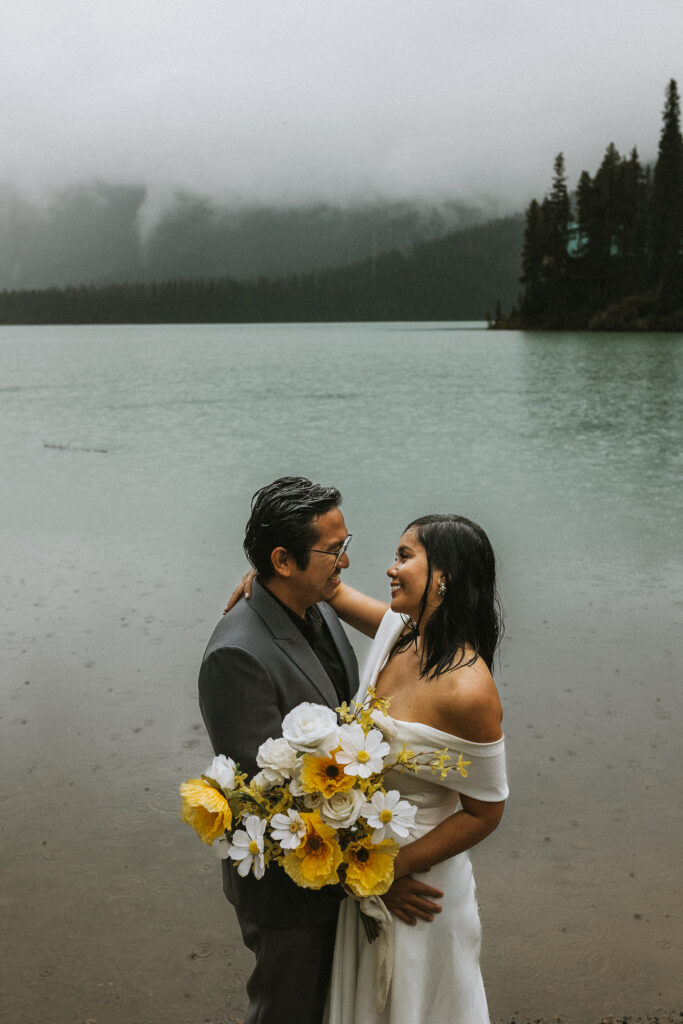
{"x":283,"y":646}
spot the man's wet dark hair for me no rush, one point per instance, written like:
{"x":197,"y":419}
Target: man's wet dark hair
{"x":282,"y":515}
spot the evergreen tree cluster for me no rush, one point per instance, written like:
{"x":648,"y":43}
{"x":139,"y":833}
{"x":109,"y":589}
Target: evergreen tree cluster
{"x":611,"y":256}
{"x":457,"y":277}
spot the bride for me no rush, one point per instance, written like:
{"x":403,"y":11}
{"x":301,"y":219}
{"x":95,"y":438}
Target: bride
{"x":431,"y":658}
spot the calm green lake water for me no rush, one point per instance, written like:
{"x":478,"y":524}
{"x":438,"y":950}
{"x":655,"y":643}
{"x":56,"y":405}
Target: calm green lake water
{"x":128,"y":458}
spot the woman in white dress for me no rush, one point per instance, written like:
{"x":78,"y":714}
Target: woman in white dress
{"x":431,"y":658}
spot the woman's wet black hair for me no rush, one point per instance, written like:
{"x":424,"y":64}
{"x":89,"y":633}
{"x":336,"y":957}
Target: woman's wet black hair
{"x":470,"y":613}
{"x":282,"y":515}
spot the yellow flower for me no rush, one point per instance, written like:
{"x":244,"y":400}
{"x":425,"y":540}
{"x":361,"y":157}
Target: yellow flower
{"x":460,"y":766}
{"x":324,"y":775}
{"x":370,"y":866}
{"x":205,"y":809}
{"x":404,"y":755}
{"x":315,"y":861}
{"x":345,"y":712}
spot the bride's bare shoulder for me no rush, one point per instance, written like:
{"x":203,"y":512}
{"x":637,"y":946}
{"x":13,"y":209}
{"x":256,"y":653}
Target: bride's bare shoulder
{"x":468,"y":703}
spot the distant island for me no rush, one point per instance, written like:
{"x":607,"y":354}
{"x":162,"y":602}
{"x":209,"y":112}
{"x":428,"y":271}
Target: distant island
{"x":611,"y":257}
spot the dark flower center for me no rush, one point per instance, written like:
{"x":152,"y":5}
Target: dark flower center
{"x":315,"y":844}
{"x":332,"y":771}
{"x":362,"y":855}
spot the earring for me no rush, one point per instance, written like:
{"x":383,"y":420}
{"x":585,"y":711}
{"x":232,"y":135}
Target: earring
{"x":441,"y":589}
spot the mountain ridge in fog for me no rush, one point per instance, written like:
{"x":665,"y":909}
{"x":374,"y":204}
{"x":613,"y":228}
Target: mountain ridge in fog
{"x":101,"y":233}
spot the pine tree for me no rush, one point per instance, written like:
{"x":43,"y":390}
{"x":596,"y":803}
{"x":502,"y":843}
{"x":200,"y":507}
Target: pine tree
{"x":633,"y":201}
{"x":607,"y":226}
{"x":667,"y":197}
{"x":585,"y":210}
{"x":532,"y":253}
{"x":559,"y":210}
{"x":533,"y":256}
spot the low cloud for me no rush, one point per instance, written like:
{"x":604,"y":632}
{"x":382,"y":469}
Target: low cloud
{"x":289,"y":101}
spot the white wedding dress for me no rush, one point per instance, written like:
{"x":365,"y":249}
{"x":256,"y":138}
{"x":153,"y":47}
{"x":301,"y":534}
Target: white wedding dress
{"x":436,"y":975}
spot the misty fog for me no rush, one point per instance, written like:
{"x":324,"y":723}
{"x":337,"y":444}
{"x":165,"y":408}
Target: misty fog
{"x":293,"y":102}
{"x":103,"y":234}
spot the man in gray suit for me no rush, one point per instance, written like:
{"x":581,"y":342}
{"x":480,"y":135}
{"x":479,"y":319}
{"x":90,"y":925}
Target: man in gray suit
{"x":283,"y":646}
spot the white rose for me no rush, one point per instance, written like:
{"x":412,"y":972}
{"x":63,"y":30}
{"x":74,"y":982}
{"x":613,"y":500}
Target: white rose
{"x":308,"y":727}
{"x":222,"y":771}
{"x":267,"y":778}
{"x":264,"y":782}
{"x":277,"y":756}
{"x":295,"y":787}
{"x":313,"y":800}
{"x":343,"y":809}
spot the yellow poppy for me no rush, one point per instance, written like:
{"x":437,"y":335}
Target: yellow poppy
{"x":205,"y":809}
{"x":370,"y":866}
{"x":315,"y":861}
{"x":320,"y":774}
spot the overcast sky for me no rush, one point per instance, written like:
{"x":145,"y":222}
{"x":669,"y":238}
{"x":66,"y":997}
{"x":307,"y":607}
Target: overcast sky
{"x":330,"y":99}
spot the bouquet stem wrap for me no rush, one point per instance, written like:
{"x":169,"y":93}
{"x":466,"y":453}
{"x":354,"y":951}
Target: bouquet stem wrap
{"x":375,"y":907}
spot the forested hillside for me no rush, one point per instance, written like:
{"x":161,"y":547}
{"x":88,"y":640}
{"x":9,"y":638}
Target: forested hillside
{"x":462,"y":276}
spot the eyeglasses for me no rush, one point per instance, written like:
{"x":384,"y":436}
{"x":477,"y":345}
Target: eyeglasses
{"x":337,"y":554}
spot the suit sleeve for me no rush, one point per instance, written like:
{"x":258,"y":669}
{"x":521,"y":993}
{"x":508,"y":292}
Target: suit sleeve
{"x":239,"y":705}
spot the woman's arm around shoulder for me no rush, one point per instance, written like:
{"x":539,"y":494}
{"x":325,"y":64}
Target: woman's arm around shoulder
{"x":358,"y":610}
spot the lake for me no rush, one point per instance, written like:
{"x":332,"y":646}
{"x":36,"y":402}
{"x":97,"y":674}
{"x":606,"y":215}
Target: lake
{"x":129,"y":455}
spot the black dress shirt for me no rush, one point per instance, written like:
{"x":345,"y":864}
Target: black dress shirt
{"x":315,"y":632}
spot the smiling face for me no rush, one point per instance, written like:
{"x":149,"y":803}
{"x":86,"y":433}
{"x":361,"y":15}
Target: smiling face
{"x":408,"y":577}
{"x":319,"y":580}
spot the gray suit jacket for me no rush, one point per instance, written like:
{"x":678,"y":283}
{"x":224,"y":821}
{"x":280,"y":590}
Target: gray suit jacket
{"x":256,"y":668}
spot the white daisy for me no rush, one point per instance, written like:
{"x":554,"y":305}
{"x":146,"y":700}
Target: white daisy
{"x":391,"y":817}
{"x":362,"y":755}
{"x":247,"y":846}
{"x":288,"y":829}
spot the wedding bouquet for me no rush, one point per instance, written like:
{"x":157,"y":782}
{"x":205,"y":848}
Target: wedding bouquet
{"x":318,"y":807}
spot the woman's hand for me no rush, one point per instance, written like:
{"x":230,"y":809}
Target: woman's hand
{"x":410,"y":899}
{"x":243,"y":589}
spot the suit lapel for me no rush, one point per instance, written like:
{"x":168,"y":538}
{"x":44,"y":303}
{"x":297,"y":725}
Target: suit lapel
{"x":290,"y":640}
{"x":302,"y":655}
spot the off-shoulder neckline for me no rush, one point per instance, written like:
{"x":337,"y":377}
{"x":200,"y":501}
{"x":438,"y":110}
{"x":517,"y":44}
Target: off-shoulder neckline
{"x":459,"y":740}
